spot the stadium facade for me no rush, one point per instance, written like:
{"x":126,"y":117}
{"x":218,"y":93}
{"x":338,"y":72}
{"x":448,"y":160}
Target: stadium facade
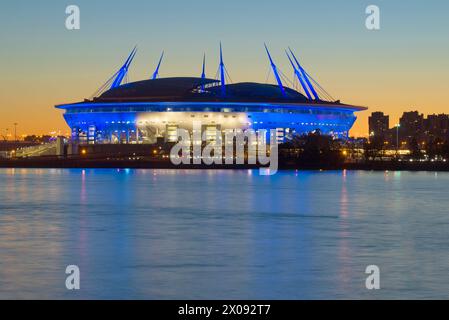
{"x":149,"y":111}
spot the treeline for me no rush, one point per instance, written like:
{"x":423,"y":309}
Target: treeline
{"x":313,"y":149}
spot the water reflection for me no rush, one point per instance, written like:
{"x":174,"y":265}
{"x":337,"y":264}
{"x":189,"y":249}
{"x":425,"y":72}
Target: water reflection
{"x":222,"y":234}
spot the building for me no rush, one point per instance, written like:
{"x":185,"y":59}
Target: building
{"x":436,"y":127}
{"x":411,"y":126}
{"x":148,"y":111}
{"x":414,"y":129}
{"x":378,"y":124}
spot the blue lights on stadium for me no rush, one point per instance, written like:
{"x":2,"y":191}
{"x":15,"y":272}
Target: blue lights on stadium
{"x":152,"y":110}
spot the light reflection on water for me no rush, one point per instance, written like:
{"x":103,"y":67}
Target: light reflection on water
{"x":168,"y":234}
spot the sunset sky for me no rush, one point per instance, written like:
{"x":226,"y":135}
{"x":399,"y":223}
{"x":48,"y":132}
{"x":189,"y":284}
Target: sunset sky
{"x":403,"y":66}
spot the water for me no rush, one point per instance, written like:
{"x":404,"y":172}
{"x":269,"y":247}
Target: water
{"x":166,"y":234}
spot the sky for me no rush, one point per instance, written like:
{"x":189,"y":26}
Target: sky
{"x":403,"y":66}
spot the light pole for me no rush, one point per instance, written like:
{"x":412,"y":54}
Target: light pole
{"x":397,"y":139}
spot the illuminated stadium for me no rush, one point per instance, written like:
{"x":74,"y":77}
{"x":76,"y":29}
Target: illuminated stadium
{"x":151,"y":111}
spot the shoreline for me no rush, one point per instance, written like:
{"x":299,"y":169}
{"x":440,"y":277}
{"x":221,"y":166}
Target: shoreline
{"x":53,"y":163}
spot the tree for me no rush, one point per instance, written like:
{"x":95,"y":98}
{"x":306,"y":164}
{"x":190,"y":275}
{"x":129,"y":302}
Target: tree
{"x":375,"y":148}
{"x":313,"y":149}
{"x":415,"y":151}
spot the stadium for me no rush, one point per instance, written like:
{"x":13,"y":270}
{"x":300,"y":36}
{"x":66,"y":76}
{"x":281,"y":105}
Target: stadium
{"x":151,"y":111}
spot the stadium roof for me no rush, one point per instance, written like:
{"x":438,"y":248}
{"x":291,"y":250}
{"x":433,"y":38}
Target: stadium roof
{"x":198,"y":90}
{"x":163,"y":89}
{"x":190,"y":89}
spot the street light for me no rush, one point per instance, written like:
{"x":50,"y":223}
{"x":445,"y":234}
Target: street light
{"x":397,"y":139}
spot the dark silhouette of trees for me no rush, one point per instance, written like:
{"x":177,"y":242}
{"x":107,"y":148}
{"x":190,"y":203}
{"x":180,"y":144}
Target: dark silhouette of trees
{"x":437,"y":148}
{"x":37,"y":139}
{"x":313,"y":149}
{"x":445,"y":152}
{"x":374,"y":148}
{"x":415,"y":150}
